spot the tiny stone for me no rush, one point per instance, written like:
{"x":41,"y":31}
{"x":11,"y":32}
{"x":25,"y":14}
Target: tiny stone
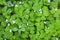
{"x":12,"y":5}
{"x":23,"y":29}
{"x":40,"y":10}
{"x":15,"y":29}
{"x":49,"y":1}
{"x":21,"y":2}
{"x":8,"y":24}
{"x":56,"y":38}
{"x":4,"y":39}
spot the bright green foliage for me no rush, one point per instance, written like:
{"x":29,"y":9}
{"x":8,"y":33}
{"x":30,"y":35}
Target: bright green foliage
{"x":29,"y":20}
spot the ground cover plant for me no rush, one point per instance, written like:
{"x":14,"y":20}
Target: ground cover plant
{"x":29,"y":20}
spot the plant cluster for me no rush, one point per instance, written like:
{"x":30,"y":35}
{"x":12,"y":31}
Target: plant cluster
{"x":29,"y":20}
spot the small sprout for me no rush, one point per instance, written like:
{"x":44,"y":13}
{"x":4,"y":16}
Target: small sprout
{"x":9,"y":2}
{"x":8,"y":24}
{"x":4,"y":39}
{"x":19,"y":26}
{"x":49,"y":1}
{"x":48,"y":28}
{"x":53,"y":34}
{"x":34,"y":10}
{"x":37,"y":33}
{"x":6,"y":20}
{"x":23,"y":29}
{"x":45,"y":22}
{"x":10,"y":30}
{"x":27,"y":24}
{"x":13,"y":22}
{"x":56,"y":38}
{"x":21,"y":2}
{"x":12,"y":5}
{"x":40,"y":10}
{"x":16,"y":5}
{"x":10,"y":11}
{"x":55,"y":9}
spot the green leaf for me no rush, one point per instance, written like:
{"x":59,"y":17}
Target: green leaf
{"x":1,"y":38}
{"x":45,"y":11}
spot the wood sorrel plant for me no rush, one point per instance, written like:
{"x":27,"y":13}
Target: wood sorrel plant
{"x":29,"y":20}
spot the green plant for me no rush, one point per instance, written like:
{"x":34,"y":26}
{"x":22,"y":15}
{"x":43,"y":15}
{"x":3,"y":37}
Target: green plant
{"x":29,"y":20}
